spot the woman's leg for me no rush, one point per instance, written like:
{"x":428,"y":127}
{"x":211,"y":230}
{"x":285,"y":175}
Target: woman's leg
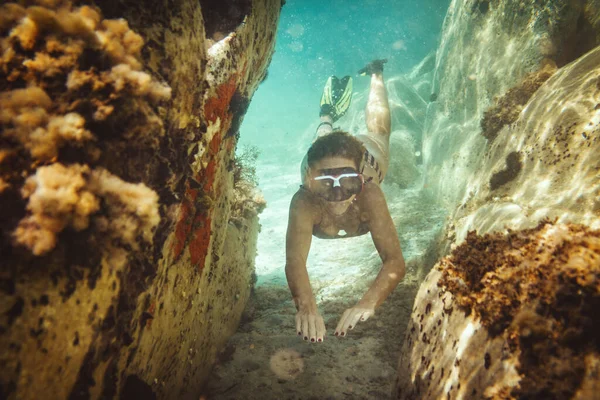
{"x":325,"y":127}
{"x":377,"y":115}
{"x":378,"y":110}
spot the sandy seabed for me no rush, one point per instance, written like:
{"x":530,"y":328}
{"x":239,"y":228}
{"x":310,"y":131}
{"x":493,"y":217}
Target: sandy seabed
{"x":265,"y":359}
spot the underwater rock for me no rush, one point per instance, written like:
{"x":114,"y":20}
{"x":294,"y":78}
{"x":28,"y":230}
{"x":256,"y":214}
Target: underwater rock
{"x":507,"y":108}
{"x":402,"y":170}
{"x":545,"y":164}
{"x":122,"y":268}
{"x":421,"y":76}
{"x":487,"y":51}
{"x":508,"y":316}
{"x":407,"y":106}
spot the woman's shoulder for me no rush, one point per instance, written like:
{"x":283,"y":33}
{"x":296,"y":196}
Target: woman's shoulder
{"x":370,"y":191}
{"x":304,"y":200}
{"x":371,"y":197}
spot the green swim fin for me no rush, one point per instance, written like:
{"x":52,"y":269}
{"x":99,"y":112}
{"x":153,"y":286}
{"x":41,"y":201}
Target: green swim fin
{"x":336,"y":98}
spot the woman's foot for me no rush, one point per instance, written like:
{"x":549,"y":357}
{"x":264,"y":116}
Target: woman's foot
{"x":374,"y":67}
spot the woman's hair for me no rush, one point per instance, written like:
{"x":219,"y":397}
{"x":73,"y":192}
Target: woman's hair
{"x":336,"y":143}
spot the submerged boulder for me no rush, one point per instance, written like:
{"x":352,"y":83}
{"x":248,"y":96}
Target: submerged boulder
{"x":545,"y":164}
{"x":508,"y":316}
{"x":487,"y":49}
{"x":512,"y":140}
{"x":127,"y":228}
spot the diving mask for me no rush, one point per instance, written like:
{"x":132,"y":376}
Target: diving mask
{"x":338,"y":187}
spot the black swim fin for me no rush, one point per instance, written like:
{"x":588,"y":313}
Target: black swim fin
{"x":374,"y":67}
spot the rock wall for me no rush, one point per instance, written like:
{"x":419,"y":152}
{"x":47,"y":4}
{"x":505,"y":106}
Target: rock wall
{"x":487,"y":49}
{"x":127,"y":239}
{"x":511,"y":140}
{"x":545,"y":164}
{"x":508,"y":316}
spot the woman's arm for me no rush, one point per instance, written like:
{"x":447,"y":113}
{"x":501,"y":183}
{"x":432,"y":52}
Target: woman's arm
{"x":302,"y":216}
{"x":387,"y":244}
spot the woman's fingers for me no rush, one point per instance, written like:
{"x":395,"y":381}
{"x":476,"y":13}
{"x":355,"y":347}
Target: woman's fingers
{"x":305,"y":331}
{"x":366,"y":315}
{"x":299,"y":324}
{"x":320,"y":329}
{"x":312,"y":326}
{"x":356,"y":315}
{"x":340,"y":329}
{"x":350,"y":318}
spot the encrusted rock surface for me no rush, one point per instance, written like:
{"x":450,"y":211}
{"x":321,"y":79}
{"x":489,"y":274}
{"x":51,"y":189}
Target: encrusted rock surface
{"x":123,"y":268}
{"x":510,"y":140}
{"x":488,"y":48}
{"x":508,"y":316}
{"x":544,"y":165}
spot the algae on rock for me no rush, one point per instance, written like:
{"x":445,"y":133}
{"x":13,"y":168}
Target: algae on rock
{"x":116,"y":122}
{"x":507,"y":316}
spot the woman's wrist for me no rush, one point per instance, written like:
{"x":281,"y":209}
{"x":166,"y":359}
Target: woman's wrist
{"x":367,"y":302}
{"x":306,"y":304}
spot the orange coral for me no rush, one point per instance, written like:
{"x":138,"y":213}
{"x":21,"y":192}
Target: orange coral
{"x":57,"y":198}
{"x":132,"y":209}
{"x":46,"y":45}
{"x":26,"y":111}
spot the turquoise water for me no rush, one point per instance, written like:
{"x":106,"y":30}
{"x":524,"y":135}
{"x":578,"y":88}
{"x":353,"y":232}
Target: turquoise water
{"x":315,"y":40}
{"x":447,"y":177}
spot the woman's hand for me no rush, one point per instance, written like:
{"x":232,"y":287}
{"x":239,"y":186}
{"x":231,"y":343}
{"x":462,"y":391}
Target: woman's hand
{"x":310,"y":325}
{"x":351,"y":317}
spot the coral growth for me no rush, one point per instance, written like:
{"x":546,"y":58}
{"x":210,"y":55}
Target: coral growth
{"x":506,"y":109}
{"x":86,"y":65}
{"x":70,"y":83}
{"x":539,"y":288}
{"x":24,"y":113}
{"x":61,"y":197}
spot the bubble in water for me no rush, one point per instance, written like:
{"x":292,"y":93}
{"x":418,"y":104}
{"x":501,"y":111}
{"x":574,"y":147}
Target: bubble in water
{"x":287,"y":364}
{"x":399,"y":45}
{"x":418,"y":154}
{"x":295,"y":30}
{"x":296,"y":46}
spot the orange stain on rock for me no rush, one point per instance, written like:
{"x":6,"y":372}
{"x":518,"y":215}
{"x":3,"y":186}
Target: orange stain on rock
{"x":218,"y":106}
{"x":193,"y":229}
{"x":151,"y":311}
{"x":194,"y":225}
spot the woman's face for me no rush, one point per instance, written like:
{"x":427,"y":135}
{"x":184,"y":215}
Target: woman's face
{"x":333,"y":166}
